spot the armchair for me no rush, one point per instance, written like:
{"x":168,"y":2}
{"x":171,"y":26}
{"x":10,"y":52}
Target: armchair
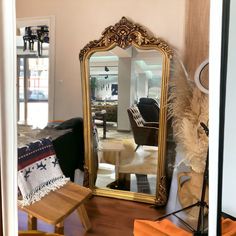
{"x":145,"y":133}
{"x":149,"y":109}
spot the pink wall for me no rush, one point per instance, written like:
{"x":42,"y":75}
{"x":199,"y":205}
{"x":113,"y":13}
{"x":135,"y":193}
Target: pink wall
{"x":80,"y":21}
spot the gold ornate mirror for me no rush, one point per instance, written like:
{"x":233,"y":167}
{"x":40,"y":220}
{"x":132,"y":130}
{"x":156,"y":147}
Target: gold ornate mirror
{"x":125,"y":81}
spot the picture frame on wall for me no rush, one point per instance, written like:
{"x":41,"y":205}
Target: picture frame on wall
{"x":114,"y":89}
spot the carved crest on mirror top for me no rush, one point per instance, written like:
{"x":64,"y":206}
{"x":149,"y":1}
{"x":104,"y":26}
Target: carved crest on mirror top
{"x":123,"y":34}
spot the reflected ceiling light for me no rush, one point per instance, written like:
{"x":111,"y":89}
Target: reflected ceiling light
{"x":39,"y":34}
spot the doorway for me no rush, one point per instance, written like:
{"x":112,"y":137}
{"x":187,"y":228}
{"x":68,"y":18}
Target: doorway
{"x":32,"y":90}
{"x":35,"y":73}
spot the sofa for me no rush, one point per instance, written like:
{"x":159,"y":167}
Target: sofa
{"x":69,"y":147}
{"x":110,"y":108}
{"x":67,"y":139}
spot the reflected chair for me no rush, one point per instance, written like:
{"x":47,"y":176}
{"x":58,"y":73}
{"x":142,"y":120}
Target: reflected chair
{"x":149,"y":109}
{"x":145,"y":133}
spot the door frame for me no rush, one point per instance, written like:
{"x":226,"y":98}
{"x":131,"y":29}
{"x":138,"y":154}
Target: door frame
{"x":215,"y":39}
{"x":8,"y":140}
{"x":26,"y":76}
{"x":50,"y":22}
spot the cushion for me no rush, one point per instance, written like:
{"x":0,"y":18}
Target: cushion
{"x":158,"y":228}
{"x":228,"y":227}
{"x":167,"y":228}
{"x":38,"y":171}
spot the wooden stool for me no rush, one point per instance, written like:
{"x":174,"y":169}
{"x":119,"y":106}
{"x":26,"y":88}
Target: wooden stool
{"x":36,"y":233}
{"x":57,"y":205}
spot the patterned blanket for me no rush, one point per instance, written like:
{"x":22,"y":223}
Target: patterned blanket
{"x":38,"y":171}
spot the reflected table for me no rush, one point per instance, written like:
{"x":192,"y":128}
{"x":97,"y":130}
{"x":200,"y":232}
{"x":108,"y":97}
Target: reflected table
{"x":116,"y":147}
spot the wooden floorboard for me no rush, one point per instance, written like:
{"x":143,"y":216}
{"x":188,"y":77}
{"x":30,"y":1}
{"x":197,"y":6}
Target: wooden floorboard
{"x":116,"y":217}
{"x":110,"y":217}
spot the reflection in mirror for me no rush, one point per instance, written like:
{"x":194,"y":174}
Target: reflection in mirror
{"x":124,"y":81}
{"x":125,"y":97}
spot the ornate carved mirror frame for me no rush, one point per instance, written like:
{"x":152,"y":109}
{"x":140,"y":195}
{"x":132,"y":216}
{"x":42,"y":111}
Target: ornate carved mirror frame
{"x":125,"y":34}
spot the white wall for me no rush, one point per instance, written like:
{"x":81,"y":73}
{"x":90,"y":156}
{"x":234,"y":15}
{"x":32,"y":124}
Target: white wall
{"x":80,"y":21}
{"x":142,"y":85}
{"x":124,"y":93}
{"x":229,"y":165}
{"x":8,"y":151}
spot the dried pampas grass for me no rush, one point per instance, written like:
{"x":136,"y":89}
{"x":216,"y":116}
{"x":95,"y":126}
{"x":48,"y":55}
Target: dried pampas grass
{"x":188,"y":106}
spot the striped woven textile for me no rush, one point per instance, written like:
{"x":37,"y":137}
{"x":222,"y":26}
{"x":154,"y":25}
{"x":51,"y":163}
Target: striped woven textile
{"x":38,"y":171}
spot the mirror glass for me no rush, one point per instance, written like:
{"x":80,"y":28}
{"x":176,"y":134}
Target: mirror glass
{"x":125,"y":78}
{"x":119,"y":80}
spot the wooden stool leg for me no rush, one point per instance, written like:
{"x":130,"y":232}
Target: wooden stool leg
{"x":32,"y":222}
{"x":84,"y":217}
{"x":59,"y":228}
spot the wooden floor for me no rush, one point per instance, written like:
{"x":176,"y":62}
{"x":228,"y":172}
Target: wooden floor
{"x":110,"y":217}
